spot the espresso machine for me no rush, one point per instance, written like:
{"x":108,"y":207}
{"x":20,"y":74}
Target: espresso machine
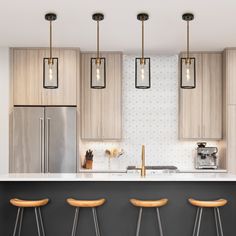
{"x":206,"y":157}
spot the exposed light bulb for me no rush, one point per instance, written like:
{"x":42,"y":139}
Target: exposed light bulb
{"x":50,"y":72}
{"x":142,"y":72}
{"x":98,"y":74}
{"x":188,"y":77}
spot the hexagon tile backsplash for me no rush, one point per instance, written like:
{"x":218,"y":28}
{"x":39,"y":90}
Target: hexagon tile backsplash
{"x":149,"y":117}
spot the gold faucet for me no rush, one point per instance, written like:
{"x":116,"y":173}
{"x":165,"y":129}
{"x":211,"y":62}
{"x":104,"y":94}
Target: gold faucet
{"x":143,"y":167}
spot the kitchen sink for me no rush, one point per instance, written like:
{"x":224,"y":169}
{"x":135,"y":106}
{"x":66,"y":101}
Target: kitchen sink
{"x":154,"y":168}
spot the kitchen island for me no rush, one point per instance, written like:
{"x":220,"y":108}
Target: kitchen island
{"x":118,"y":217}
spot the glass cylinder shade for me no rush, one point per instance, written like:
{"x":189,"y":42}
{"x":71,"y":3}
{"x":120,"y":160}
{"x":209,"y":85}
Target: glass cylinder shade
{"x":50,"y":73}
{"x":188,"y":73}
{"x":142,"y":73}
{"x":98,"y":73}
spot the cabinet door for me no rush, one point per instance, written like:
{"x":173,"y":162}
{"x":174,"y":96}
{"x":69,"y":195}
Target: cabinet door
{"x":91,"y":103}
{"x":111,"y":98}
{"x":27,"y":87}
{"x":190,"y":106}
{"x":65,"y":94}
{"x":212,"y":96}
{"x":101,"y":108}
{"x":230,"y":70}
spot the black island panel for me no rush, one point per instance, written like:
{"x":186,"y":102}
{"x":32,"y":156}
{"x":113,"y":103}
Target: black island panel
{"x":118,"y":217}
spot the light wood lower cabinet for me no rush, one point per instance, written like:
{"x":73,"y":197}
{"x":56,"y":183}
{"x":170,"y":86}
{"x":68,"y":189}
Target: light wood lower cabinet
{"x":200,"y":109}
{"x":27,"y":76}
{"x":101,"y":108}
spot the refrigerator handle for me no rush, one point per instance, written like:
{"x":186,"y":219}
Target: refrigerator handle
{"x":47,"y":145}
{"x":41,"y":144}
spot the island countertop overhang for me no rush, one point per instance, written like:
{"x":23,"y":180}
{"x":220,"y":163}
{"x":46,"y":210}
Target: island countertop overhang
{"x":120,"y":177}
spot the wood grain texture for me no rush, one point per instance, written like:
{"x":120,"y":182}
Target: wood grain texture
{"x":86,"y":203}
{"x":200,"y":109}
{"x":190,"y":106}
{"x":101,"y":108}
{"x":28,"y":77}
{"x":212,"y":96}
{"x":149,"y":203}
{"x":231,"y":138}
{"x":230,"y":57}
{"x":66,"y":92}
{"x":29,"y":203}
{"x":208,"y":204}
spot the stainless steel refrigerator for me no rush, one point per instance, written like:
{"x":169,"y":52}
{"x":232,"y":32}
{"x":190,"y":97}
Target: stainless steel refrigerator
{"x":44,"y":140}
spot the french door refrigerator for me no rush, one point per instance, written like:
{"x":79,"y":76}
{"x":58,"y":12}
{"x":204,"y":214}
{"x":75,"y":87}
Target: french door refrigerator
{"x":44,"y":140}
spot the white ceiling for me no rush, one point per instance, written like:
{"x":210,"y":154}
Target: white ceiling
{"x":214,"y":28}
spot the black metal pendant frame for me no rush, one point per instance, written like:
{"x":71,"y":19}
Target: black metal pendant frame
{"x":137,"y":60}
{"x":93,"y":59}
{"x":183,"y":59}
{"x":44,"y":79}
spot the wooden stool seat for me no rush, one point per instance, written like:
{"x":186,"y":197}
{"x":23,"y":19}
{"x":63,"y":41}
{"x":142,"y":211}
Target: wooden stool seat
{"x":208,"y":204}
{"x":149,"y":203}
{"x":86,"y":203}
{"x":29,"y":203}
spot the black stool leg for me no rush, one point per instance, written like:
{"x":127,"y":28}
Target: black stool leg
{"x":219,"y":219}
{"x":18,"y":216}
{"x":21,"y":219}
{"x":216,"y":221}
{"x":40,"y":221}
{"x":159,"y":221}
{"x":37,"y":221}
{"x":139,"y":221}
{"x":75,"y":224}
{"x":95,"y":218}
{"x":197,"y":223}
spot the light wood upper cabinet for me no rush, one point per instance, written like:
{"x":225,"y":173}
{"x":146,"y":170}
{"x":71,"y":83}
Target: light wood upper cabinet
{"x":230,"y":74}
{"x":212,"y":95}
{"x":200,"y":109}
{"x":27,"y":74}
{"x":26,"y":77}
{"x":101,"y":108}
{"x":190,"y":106}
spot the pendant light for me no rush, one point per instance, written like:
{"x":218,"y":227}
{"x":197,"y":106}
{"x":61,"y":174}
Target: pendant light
{"x":188,"y":70}
{"x":50,"y":64}
{"x":142,"y":64}
{"x":98,"y":64}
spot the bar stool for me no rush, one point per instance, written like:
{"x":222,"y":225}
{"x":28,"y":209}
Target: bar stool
{"x":93,"y":204}
{"x":22,"y":204}
{"x":149,"y":204}
{"x":208,"y":204}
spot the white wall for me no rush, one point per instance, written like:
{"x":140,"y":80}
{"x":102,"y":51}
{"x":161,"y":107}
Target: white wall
{"x":149,"y":117}
{"x":4,"y":109}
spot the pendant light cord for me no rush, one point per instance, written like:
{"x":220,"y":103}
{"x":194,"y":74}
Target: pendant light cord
{"x":142,"y":39}
{"x":188,"y":41}
{"x":98,"y":56}
{"x":50,"y":59}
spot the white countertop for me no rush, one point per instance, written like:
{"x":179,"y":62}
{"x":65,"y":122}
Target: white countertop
{"x":120,"y":177}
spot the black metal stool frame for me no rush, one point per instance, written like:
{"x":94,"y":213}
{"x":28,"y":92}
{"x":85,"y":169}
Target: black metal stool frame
{"x":76,"y":220}
{"x":140,"y":219}
{"x":198,"y":219}
{"x":19,"y":220}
